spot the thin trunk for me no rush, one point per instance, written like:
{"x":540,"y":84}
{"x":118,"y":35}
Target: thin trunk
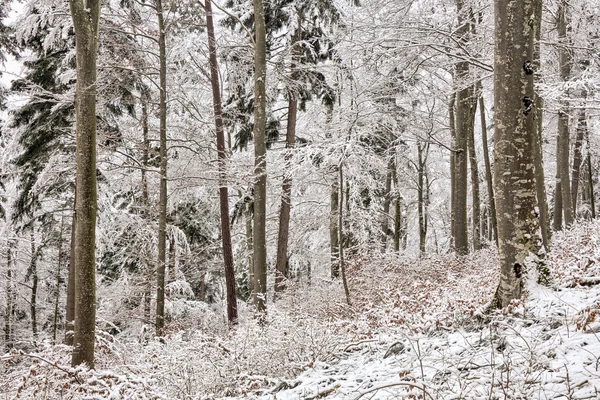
{"x":462,"y":124}
{"x":420,"y":197}
{"x":34,"y":286}
{"x":452,"y":124}
{"x":333,"y":228}
{"x":172,"y":258}
{"x":8,"y":342}
{"x":222,"y":156}
{"x":591,"y":183}
{"x":70,"y":306}
{"x":562,"y":162}
{"x":577,"y":158}
{"x":86,"y":15}
{"x":56,"y":301}
{"x":476,"y":201}
{"x":284,"y":211}
{"x":146,"y":204}
{"x":488,"y":169}
{"x":397,"y":222}
{"x":260,"y":158}
{"x":162,"y":202}
{"x":386,"y":204}
{"x":341,"y":233}
{"x":250,"y":250}
{"x":558,"y":205}
{"x":540,"y":178}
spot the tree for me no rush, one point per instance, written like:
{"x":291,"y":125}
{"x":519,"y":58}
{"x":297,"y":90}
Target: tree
{"x":565,"y":61}
{"x":515,"y":24}
{"x":162,"y":202}
{"x":260,"y":158}
{"x":86,"y":15}
{"x":223,"y":191}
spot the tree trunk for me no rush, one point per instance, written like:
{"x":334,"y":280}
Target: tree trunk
{"x":462,"y":125}
{"x":260,"y":158}
{"x":577,"y":158}
{"x":562,"y":153}
{"x":591,"y":182}
{"x":420,"y":197}
{"x":488,"y":169}
{"x":284,"y":211}
{"x":386,"y":203}
{"x":172,"y":259}
{"x":146,"y":203}
{"x":162,"y":202}
{"x":513,"y":151}
{"x":34,"y":285}
{"x":222,"y":155}
{"x":476,"y":201}
{"x":70,"y":306}
{"x":540,"y":178}
{"x":8,"y":337}
{"x":85,"y":21}
{"x":56,"y":301}
{"x":250,"y":249}
{"x":341,"y":237}
{"x":452,"y":123}
{"x":333,"y":228}
{"x":397,"y":222}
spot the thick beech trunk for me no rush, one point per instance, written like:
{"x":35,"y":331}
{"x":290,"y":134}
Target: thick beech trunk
{"x":85,"y":21}
{"x":515,"y":23}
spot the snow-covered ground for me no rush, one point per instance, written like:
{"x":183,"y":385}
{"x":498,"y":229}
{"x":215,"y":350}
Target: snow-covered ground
{"x":415,"y":330}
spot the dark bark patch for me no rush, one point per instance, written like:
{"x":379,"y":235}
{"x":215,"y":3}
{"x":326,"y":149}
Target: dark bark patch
{"x":518,"y":270}
{"x":528,"y":68}
{"x":528,"y":103}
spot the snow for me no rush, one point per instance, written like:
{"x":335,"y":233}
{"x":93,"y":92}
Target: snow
{"x":382,"y":347}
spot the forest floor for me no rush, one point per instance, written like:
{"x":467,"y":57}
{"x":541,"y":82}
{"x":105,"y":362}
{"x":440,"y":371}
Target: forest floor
{"x":415,"y":329}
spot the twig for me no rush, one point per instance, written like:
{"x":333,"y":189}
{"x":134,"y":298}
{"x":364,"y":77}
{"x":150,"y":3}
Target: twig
{"x":54,"y":365}
{"x":357,"y":343}
{"x":395,"y":384}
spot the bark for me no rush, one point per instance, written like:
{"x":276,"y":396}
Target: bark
{"x":476,"y":201}
{"x":513,"y":151}
{"x":341,"y":237}
{"x":222,"y":156}
{"x":464,"y":98}
{"x":34,"y":286}
{"x":558,"y":204}
{"x":488,"y":170}
{"x":146,"y":203}
{"x":162,"y":202}
{"x":172,"y":258}
{"x":452,"y":124}
{"x":284,"y":210}
{"x":333,"y":229}
{"x":591,"y":183}
{"x":85,"y":21}
{"x":260,"y":160}
{"x":70,"y":306}
{"x":397,"y":222}
{"x":421,"y":194}
{"x":250,"y":249}
{"x":562,"y":153}
{"x":577,"y":158}
{"x":540,"y":179}
{"x":386,"y":204}
{"x":56,"y":300}
{"x":8,"y":328}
